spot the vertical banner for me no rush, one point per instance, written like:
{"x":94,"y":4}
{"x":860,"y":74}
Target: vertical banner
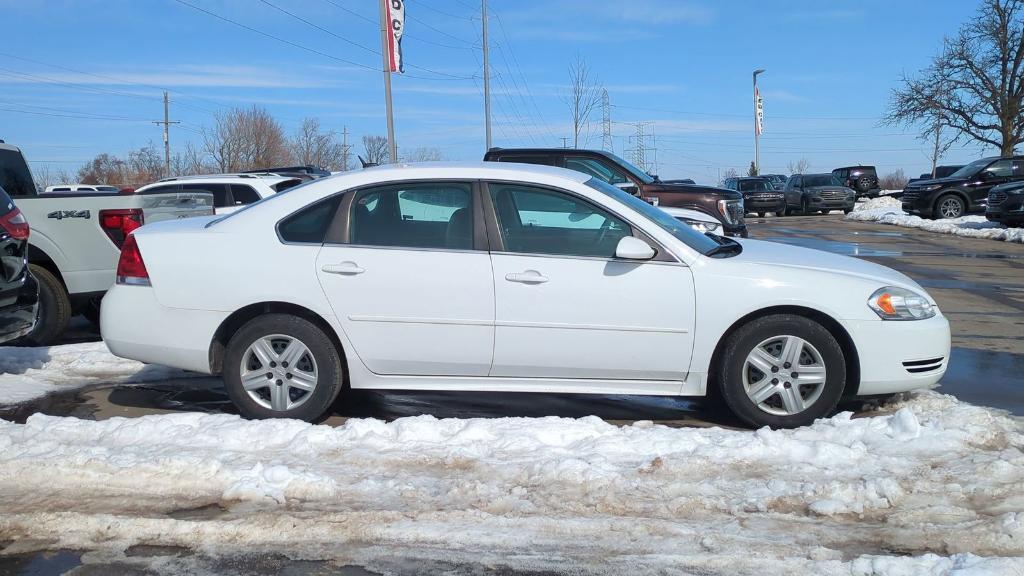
{"x":759,"y":110}
{"x":396,"y":17}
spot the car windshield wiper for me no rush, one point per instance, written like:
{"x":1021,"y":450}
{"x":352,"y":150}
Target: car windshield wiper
{"x":727,"y":247}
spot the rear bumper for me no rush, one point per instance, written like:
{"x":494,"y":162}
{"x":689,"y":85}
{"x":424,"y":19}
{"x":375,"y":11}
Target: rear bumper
{"x":900,"y":356}
{"x":135,"y":326}
{"x":18,"y":309}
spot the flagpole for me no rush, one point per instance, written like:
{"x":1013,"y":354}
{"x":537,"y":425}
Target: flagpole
{"x":385,"y":50}
{"x":757,"y":127}
{"x":487,"y":75}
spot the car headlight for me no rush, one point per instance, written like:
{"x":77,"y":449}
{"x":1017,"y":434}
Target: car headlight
{"x":730,"y":210}
{"x":700,"y":225}
{"x":892,"y":303}
{"x":932,"y":187}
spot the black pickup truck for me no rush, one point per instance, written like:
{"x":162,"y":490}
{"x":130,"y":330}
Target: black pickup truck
{"x":725,"y":205}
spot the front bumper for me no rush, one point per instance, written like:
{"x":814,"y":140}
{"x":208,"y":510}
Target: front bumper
{"x":19,"y":309}
{"x":819,"y":203}
{"x":897,"y":356}
{"x":736,"y":230}
{"x":751,"y":204}
{"x":1010,"y":210}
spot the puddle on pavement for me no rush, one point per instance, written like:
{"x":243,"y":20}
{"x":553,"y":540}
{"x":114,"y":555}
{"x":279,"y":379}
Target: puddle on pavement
{"x":986,"y":378}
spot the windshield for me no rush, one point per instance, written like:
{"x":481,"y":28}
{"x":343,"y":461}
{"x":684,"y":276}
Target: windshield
{"x":755,"y":185}
{"x":972,"y":169}
{"x":812,"y":180}
{"x":640,"y":174}
{"x":695,"y":240}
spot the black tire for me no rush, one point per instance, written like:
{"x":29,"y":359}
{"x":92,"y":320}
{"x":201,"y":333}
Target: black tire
{"x":745,"y":339}
{"x":805,"y":207}
{"x":54,"y":309}
{"x":825,"y":211}
{"x":780,"y":213}
{"x":91,"y":312}
{"x":847,"y":210}
{"x":939,"y":212}
{"x":760,"y":214}
{"x":327,"y":358}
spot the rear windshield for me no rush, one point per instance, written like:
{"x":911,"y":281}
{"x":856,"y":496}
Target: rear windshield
{"x":15,"y":177}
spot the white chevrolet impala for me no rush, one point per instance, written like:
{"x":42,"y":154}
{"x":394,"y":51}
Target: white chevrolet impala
{"x":510,"y":277}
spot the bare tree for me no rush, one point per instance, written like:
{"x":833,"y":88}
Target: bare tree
{"x":103,"y":169}
{"x":425,"y":154}
{"x":313,"y":146}
{"x":895,"y":180}
{"x":192,"y":161}
{"x":730,"y":173}
{"x":246,"y":139}
{"x":801,"y":166}
{"x":976,"y":86}
{"x":143,"y":166}
{"x":375,"y":149}
{"x":47,"y":176}
{"x":584,"y":95}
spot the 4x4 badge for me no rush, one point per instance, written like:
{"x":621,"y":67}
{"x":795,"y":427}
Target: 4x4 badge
{"x":62,"y":214}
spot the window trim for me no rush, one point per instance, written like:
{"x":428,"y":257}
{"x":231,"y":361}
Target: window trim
{"x":497,"y":243}
{"x":339,"y":232}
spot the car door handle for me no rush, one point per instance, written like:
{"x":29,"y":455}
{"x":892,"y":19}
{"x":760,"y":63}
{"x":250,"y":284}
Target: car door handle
{"x":528,"y":277}
{"x":346,"y":268}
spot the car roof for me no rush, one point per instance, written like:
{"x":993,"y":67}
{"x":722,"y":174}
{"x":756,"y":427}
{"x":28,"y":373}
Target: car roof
{"x":489,"y":169}
{"x":227,"y":178}
{"x":864,"y":166}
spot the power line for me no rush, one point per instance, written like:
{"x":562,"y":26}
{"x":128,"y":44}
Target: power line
{"x":405,"y":34}
{"x":728,"y":115}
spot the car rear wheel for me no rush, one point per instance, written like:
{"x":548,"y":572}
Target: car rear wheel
{"x":54,"y":309}
{"x":782,"y":371}
{"x":282,"y":366}
{"x":805,"y":207}
{"x":949,"y":206}
{"x":760,"y":214}
{"x":825,"y":211}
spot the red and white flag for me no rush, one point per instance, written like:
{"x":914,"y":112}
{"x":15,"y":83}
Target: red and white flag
{"x":759,"y":112}
{"x":396,"y":19}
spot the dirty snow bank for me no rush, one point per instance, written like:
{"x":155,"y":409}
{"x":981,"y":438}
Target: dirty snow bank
{"x":888,"y":210}
{"x":933,"y":486}
{"x":28,"y":373}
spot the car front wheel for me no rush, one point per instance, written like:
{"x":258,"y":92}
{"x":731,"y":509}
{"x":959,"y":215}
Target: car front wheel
{"x":782,"y":371}
{"x":282,"y":366}
{"x":949,"y":206}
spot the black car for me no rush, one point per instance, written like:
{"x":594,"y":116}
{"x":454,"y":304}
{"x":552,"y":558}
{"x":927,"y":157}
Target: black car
{"x":19,"y":292}
{"x":810,"y":193}
{"x":724,"y":205}
{"x":964,"y":191}
{"x":1006,"y":204}
{"x":759,"y":194}
{"x":861,"y":179}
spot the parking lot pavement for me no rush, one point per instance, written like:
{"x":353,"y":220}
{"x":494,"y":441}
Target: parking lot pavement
{"x":978,"y":284}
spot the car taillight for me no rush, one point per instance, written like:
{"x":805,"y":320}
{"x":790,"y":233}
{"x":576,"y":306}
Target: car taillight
{"x":15,"y":224}
{"x":131,"y":269}
{"x":119,"y":223}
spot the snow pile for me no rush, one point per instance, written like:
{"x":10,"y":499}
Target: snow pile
{"x":890,"y":192}
{"x":28,"y":373}
{"x":930,"y":486}
{"x":888,"y":210}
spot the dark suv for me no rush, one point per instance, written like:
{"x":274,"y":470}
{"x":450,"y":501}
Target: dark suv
{"x":725,"y":205}
{"x":1006,"y":204}
{"x":965,"y":190}
{"x":861,"y":179}
{"x":759,"y":194}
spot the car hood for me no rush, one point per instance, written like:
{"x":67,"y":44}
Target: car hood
{"x":939,"y":181}
{"x":776,"y":255}
{"x":724,"y":193}
{"x":827,"y":189}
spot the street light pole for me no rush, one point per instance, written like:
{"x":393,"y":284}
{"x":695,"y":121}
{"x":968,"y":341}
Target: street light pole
{"x":757,"y":126}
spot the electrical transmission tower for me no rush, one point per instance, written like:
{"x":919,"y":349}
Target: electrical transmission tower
{"x":644,"y":154}
{"x":606,"y":122}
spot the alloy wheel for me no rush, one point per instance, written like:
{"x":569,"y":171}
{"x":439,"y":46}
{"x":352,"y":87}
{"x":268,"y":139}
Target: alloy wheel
{"x":784,"y":375}
{"x":951,"y":207}
{"x":279,"y":372}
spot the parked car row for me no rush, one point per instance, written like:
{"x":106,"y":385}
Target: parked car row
{"x":968,"y":190}
{"x":802,"y":193}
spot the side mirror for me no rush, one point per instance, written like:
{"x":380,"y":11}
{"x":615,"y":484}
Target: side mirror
{"x":630,"y":248}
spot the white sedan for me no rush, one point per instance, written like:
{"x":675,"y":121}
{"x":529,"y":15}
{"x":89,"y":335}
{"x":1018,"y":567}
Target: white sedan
{"x":514,"y":278}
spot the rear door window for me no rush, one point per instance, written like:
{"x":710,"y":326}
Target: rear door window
{"x":243,"y":194}
{"x":15,"y":177}
{"x":418,"y":215}
{"x":309,"y":225}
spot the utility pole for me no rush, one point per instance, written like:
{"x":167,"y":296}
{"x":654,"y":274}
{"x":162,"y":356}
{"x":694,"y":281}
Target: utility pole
{"x":606,"y":122}
{"x":565,"y":142}
{"x":344,"y":148}
{"x":167,"y":132}
{"x":757,"y":123}
{"x":487,"y":74}
{"x":385,"y":50}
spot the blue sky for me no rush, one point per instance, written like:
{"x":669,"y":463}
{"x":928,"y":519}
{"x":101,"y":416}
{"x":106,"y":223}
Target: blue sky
{"x":80,"y":77}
